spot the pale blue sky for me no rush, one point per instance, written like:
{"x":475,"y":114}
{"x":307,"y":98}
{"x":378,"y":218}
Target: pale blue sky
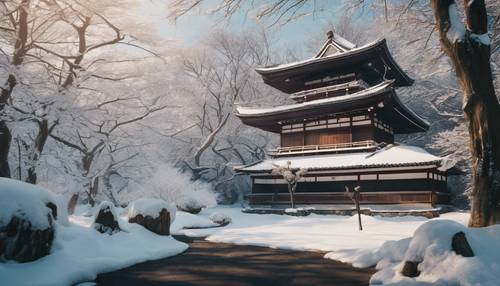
{"x":195,"y":25}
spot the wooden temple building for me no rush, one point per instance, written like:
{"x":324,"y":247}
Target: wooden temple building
{"x":341,"y":128}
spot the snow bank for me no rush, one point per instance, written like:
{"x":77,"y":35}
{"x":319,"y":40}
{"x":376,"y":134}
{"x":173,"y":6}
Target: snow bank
{"x":171,"y":185}
{"x":314,"y":232}
{"x":151,"y":207}
{"x":25,"y":201}
{"x":79,"y":253}
{"x":187,"y":220}
{"x":431,"y":244}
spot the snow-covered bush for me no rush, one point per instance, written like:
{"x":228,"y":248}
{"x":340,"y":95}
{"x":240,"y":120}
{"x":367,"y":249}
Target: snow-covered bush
{"x":27,"y":215}
{"x":220,"y":218}
{"x":172,"y":186}
{"x":155,"y":215}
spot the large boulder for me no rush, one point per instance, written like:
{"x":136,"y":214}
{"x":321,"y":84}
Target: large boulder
{"x":106,"y":219}
{"x":154,"y":214}
{"x":27,"y":215}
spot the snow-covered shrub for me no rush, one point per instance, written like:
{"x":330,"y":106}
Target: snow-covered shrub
{"x":155,"y":215}
{"x":220,"y":218}
{"x":27,"y":215}
{"x":171,"y":185}
{"x":106,"y":218}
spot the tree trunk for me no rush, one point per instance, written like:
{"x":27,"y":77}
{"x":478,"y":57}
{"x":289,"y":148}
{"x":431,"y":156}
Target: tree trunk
{"x":8,"y":88}
{"x":5,"y":139}
{"x":471,"y":58}
{"x":290,"y":191}
{"x":92,"y":192}
{"x":209,"y":140}
{"x":73,"y":201}
{"x":43,"y":133}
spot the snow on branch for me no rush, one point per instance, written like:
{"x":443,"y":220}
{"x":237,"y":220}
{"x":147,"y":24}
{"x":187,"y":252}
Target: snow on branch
{"x":456,"y":31}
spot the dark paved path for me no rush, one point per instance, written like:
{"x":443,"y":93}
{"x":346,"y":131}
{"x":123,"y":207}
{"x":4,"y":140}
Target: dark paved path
{"x":220,"y":264}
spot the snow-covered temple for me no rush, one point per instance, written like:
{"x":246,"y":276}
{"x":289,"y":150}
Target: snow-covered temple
{"x":341,"y":129}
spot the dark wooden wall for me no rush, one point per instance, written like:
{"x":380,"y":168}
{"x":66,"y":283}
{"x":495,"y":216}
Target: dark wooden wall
{"x":335,"y":136}
{"x":374,"y":191}
{"x":366,"y":186}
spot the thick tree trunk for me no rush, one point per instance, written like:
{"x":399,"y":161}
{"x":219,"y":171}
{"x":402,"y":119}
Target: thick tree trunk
{"x":469,"y":52}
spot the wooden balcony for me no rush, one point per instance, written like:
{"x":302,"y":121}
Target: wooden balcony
{"x":329,"y":91}
{"x":327,"y":148}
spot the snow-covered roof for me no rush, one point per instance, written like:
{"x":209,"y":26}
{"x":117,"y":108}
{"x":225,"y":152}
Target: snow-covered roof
{"x":242,"y":111}
{"x":390,"y":156}
{"x":335,"y":43}
{"x":347,"y":53}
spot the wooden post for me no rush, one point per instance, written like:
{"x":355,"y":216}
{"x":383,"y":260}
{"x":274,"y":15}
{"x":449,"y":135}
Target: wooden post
{"x":355,"y":196}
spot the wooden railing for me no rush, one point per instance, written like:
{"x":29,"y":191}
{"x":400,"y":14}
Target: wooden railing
{"x":359,"y":145}
{"x":327,"y":89}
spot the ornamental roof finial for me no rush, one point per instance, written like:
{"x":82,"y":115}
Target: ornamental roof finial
{"x":329,"y":35}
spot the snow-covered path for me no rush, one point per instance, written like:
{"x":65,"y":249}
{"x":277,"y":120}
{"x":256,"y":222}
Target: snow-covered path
{"x":210,"y":263}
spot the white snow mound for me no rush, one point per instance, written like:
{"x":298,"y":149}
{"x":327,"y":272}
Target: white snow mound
{"x":440,"y":265}
{"x":24,"y":201}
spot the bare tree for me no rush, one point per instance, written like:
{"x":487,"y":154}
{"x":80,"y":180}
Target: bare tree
{"x":17,"y":16}
{"x":55,"y":38}
{"x":222,"y":73}
{"x":104,"y":138}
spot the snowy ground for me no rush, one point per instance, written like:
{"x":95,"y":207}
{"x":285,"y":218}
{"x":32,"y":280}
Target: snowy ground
{"x":79,"y":253}
{"x":385,"y":242}
{"x":314,"y":232}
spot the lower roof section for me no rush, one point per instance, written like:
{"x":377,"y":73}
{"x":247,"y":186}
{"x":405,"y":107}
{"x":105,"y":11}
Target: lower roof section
{"x":381,"y":98}
{"x":393,"y":155}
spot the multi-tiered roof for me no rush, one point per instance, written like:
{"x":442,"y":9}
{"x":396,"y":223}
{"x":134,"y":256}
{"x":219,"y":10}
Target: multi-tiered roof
{"x":340,"y":78}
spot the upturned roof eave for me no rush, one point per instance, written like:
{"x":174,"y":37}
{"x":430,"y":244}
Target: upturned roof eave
{"x":379,"y":89}
{"x":274,"y":71}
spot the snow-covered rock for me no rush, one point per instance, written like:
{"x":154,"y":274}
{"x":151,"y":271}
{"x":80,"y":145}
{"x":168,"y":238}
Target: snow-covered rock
{"x":154,"y":214}
{"x":79,"y":253}
{"x":190,"y":205}
{"x":27,"y":215}
{"x":106,"y":219}
{"x":220,"y":218}
{"x":151,"y":207}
